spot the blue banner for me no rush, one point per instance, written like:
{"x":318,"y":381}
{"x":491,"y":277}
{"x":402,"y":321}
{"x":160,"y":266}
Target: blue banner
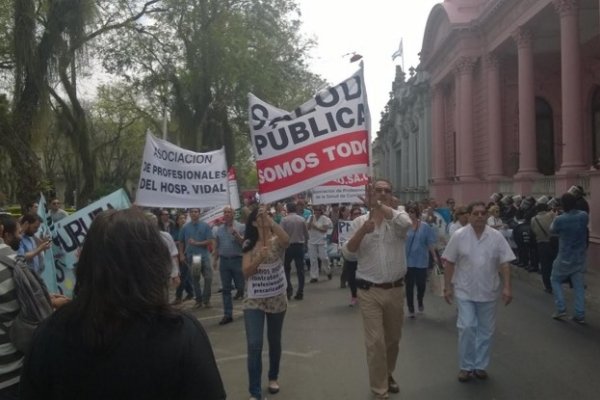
{"x":48,"y":272}
{"x":69,"y":233}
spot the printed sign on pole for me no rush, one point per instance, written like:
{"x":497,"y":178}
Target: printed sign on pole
{"x":175,"y":177}
{"x":343,"y":232}
{"x":324,"y":139}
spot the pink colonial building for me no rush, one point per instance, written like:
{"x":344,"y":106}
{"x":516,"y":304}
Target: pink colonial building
{"x":515,"y":99}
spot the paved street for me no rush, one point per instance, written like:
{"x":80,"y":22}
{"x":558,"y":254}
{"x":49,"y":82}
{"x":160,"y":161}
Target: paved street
{"x":534,"y":356}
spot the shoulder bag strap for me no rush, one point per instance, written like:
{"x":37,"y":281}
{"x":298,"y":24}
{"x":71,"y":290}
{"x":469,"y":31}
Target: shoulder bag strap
{"x":414,"y":235}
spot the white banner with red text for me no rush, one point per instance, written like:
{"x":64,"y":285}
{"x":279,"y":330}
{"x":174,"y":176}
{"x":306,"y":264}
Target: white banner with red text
{"x":175,"y":177}
{"x":348,"y":189}
{"x":324,"y":139}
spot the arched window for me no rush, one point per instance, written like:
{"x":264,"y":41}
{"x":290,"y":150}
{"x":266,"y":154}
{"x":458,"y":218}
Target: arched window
{"x":596,"y":126}
{"x":544,"y":129}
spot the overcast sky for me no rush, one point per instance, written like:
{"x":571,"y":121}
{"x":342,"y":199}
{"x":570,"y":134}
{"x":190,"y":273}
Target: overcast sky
{"x":371,"y":28}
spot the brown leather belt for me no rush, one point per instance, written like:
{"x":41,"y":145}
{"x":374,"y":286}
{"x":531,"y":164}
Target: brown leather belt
{"x":361,"y":283}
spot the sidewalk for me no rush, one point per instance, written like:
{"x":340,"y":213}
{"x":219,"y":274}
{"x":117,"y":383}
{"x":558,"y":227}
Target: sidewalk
{"x":592,"y":280}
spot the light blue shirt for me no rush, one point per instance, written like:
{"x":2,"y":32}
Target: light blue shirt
{"x":417,"y":245}
{"x":571,"y":228}
{"x":199,"y":231}
{"x":27,"y":245}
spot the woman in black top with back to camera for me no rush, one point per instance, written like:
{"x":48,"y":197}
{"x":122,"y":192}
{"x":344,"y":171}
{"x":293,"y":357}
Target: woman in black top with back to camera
{"x":119,"y":338}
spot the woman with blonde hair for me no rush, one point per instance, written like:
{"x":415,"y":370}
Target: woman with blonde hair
{"x":494,"y":219}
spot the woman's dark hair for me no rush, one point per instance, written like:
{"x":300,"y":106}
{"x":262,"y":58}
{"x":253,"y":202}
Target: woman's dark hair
{"x":414,"y":207}
{"x":122,"y":276}
{"x":179,"y":214}
{"x":251,"y":236}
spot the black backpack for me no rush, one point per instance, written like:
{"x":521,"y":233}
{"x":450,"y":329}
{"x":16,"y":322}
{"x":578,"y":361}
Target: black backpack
{"x":34,"y":303}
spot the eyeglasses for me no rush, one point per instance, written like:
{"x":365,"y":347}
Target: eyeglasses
{"x":383,"y":190}
{"x":479,"y":213}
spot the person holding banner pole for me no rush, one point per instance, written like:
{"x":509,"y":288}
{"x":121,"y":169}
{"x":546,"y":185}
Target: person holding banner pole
{"x":194,"y":239}
{"x":377,"y":243}
{"x":264,"y":246}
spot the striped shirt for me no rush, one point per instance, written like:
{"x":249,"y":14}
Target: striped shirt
{"x":11,"y":359}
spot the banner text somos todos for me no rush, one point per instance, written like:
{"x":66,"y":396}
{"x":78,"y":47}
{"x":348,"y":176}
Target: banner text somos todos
{"x":324,"y":139}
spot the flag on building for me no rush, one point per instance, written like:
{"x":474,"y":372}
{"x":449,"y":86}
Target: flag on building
{"x":399,"y":52}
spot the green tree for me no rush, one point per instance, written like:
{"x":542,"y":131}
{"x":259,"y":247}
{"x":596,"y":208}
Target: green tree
{"x":118,"y":130}
{"x":49,"y":39}
{"x":200,"y":58}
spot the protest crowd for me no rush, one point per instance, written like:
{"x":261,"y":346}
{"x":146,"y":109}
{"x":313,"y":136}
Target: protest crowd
{"x":98,"y":296}
{"x":255,"y":250}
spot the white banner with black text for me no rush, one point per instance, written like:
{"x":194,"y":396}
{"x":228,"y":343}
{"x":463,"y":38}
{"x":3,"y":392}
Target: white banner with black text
{"x":180,"y":178}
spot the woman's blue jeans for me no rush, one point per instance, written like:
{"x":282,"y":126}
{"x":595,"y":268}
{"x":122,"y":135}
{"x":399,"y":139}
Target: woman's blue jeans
{"x":255,"y":323}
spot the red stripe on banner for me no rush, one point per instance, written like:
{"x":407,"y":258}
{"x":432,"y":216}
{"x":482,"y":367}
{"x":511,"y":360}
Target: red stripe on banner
{"x":310,"y":161}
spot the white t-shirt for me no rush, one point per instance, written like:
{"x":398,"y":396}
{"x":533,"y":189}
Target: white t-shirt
{"x":493,"y":221}
{"x":315,"y":236}
{"x":477,"y":263}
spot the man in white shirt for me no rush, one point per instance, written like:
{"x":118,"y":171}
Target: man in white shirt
{"x":56,"y":213}
{"x":318,"y":225}
{"x":377,"y":243}
{"x":475,"y":257}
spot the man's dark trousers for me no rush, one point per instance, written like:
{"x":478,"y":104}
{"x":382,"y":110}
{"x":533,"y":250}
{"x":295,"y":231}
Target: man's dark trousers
{"x":294,"y":252}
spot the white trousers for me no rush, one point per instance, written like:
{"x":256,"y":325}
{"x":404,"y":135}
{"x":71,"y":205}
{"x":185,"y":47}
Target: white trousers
{"x":318,"y":252}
